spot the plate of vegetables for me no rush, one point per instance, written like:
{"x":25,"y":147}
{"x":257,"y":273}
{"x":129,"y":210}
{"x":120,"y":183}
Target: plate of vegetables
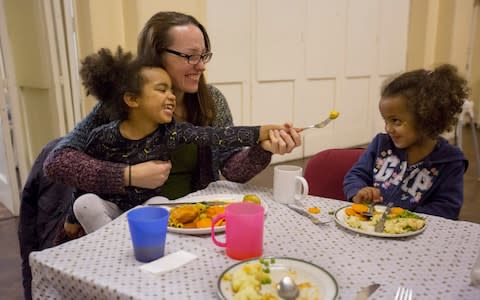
{"x":257,"y":279}
{"x":399,"y":223}
{"x":195,"y":216}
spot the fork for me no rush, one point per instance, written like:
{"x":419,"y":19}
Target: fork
{"x":333,"y":115}
{"x":404,"y":293}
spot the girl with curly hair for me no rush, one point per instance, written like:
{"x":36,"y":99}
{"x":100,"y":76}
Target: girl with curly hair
{"x":412,"y":165}
{"x":138,"y":96}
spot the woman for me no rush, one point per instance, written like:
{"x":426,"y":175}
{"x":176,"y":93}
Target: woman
{"x":180,"y":44}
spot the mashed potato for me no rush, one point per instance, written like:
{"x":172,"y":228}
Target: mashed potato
{"x":395,"y":224}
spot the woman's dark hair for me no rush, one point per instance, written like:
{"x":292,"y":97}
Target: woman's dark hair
{"x":434,"y":97}
{"x":152,"y":42}
{"x":108,"y":77}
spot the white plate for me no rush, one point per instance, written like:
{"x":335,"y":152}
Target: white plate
{"x":301,"y":271}
{"x":205,"y":198}
{"x":341,"y":219}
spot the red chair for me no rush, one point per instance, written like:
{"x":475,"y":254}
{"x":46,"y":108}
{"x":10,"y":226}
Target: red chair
{"x":325,"y":171}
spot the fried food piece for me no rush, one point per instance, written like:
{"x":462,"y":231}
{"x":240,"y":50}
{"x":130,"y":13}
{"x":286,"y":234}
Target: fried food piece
{"x":359,"y":208}
{"x":252,"y":198}
{"x":185,"y":213}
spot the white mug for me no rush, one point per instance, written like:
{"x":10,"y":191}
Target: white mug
{"x":288,"y":184}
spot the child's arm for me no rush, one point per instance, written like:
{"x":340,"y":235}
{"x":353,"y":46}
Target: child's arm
{"x":235,"y":136}
{"x":360,"y":175}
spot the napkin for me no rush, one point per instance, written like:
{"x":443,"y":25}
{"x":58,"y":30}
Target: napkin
{"x":475,"y":274}
{"x":168,"y":262}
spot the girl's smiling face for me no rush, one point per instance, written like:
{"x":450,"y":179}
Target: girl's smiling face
{"x":157,"y":101}
{"x":399,"y":122}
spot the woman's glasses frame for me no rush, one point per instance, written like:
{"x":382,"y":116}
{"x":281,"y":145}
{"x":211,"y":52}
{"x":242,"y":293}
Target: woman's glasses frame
{"x":192,"y":59}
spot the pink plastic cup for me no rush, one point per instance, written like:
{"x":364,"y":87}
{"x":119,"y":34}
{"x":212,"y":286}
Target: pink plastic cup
{"x":243,"y":230}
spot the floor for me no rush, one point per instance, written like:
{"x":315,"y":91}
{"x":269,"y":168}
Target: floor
{"x":10,"y":263}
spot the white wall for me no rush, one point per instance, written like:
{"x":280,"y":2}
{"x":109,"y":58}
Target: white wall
{"x":296,"y":61}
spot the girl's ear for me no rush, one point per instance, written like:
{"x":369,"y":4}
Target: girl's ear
{"x":130,"y":99}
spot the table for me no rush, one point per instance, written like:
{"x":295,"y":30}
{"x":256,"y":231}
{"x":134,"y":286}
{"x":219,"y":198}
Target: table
{"x":101,"y":265}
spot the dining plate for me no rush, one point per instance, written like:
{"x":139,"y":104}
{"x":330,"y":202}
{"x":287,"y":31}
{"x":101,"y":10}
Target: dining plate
{"x":231,"y":198}
{"x":341,"y":219}
{"x":314,"y":281}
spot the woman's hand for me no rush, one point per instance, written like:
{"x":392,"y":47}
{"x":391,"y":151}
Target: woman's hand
{"x":282,"y":141}
{"x":368,"y":195}
{"x":149,"y":175}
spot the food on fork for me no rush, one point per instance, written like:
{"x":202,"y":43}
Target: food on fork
{"x":334,"y":114}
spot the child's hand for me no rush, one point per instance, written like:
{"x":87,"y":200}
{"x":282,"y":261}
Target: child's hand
{"x":368,"y":195}
{"x":73,"y":230}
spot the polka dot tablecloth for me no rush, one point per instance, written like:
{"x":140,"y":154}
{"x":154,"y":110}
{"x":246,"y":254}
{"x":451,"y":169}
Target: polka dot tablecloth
{"x":101,"y":265}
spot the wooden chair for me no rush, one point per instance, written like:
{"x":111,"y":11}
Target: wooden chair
{"x":325,"y":171}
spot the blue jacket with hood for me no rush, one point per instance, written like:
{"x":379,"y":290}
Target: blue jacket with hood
{"x":433,"y":186}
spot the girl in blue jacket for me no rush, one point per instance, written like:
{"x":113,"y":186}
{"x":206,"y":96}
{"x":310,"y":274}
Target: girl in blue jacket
{"x":412,"y":165}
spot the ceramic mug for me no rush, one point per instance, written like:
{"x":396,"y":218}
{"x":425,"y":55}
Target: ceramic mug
{"x":288,"y":184}
{"x":243,"y":230}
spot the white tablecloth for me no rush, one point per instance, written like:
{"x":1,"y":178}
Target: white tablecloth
{"x":101,"y":265}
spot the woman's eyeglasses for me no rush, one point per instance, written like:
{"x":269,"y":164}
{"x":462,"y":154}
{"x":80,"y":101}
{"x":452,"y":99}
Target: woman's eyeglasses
{"x":192,"y":59}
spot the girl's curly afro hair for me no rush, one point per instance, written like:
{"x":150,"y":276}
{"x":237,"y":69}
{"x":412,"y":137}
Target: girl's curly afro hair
{"x":434,"y":97}
{"x":108,"y":77}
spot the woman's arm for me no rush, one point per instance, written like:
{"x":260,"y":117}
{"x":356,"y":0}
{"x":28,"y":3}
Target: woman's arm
{"x":68,"y":164}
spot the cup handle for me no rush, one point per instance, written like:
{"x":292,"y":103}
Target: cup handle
{"x":304,"y":193}
{"x":214,"y":221}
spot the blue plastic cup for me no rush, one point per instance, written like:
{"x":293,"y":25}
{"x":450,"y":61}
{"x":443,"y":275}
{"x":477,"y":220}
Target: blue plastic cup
{"x":148,"y":229}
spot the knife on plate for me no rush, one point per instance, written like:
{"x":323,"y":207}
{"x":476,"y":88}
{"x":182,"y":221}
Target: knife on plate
{"x":380,"y":226}
{"x":367,"y":291}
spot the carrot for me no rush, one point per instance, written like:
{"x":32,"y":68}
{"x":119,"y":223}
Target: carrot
{"x":359,"y":208}
{"x":190,"y":225}
{"x":211,"y":211}
{"x":350,"y":212}
{"x":205,"y":222}
{"x":314,"y":210}
{"x":397,"y":210}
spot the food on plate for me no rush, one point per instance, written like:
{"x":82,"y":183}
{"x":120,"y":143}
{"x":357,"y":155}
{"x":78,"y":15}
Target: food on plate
{"x":201,"y":214}
{"x":314,"y":210}
{"x":252,"y":198}
{"x":247,"y":281}
{"x":258,"y":280}
{"x":398,"y":221}
{"x":195,"y":215}
{"x":185,"y":213}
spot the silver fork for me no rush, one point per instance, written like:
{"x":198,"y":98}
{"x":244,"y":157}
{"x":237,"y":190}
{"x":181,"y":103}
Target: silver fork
{"x":404,"y":293}
{"x":319,"y":125}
